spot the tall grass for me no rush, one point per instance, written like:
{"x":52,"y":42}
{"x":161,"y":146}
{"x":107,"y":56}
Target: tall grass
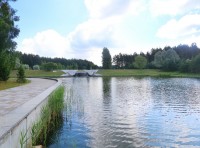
{"x":51,"y":116}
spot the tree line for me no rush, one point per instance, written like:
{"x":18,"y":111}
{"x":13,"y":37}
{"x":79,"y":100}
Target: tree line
{"x":182,"y":58}
{"x":48,"y":63}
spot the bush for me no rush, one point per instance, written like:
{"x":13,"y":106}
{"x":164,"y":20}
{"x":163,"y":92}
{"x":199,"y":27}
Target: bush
{"x":21,"y":75}
{"x":36,"y":67}
{"x":25,"y":66}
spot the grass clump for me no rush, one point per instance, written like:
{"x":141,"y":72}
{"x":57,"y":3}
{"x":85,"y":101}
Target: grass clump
{"x":12,"y":82}
{"x":51,"y":116}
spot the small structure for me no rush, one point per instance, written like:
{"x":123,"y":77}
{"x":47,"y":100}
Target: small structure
{"x":80,"y":73}
{"x":70,"y":72}
{"x":91,"y":72}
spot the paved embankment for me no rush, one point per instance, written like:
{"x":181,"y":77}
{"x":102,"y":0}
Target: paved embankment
{"x":17,"y":105}
{"x":14,"y":97}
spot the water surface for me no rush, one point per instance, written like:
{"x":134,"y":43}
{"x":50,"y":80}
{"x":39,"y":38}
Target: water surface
{"x":130,"y":112}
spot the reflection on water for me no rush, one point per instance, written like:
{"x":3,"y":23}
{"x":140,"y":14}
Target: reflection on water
{"x":130,"y":112}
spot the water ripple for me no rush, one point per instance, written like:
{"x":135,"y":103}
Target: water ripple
{"x":131,"y":112}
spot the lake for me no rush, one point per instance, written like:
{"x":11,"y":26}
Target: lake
{"x":130,"y":112}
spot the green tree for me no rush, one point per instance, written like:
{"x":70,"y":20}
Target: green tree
{"x":21,"y":75}
{"x":17,"y":63}
{"x":195,"y":64}
{"x":49,"y":66}
{"x":5,"y":65}
{"x":166,"y":60}
{"x":140,"y":62}
{"x":8,"y":31}
{"x":158,"y":59}
{"x":185,"y":66}
{"x":106,"y":59}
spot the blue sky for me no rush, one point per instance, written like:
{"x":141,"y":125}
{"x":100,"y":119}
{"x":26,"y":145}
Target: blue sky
{"x":81,"y":28}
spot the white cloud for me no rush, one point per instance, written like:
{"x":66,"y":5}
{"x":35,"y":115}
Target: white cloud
{"x":88,"y":38}
{"x":187,"y":25}
{"x":104,"y":28}
{"x":192,"y":39}
{"x":108,"y":8}
{"x":172,"y":7}
{"x":46,"y":43}
{"x":92,"y":33}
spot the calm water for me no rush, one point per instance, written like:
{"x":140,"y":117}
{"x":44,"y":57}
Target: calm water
{"x":130,"y":112}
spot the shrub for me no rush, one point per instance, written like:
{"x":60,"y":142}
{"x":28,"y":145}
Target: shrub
{"x":25,"y":66}
{"x":36,"y":67}
{"x":21,"y":75}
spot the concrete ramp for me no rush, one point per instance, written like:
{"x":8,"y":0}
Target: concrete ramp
{"x":91,"y":72}
{"x":70,"y":72}
{"x":81,"y":73}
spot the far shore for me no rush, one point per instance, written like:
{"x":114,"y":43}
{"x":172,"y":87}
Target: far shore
{"x":145,"y":73}
{"x":112,"y":73}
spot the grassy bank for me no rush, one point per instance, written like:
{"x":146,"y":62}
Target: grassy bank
{"x":51,"y":116}
{"x":11,"y":83}
{"x":144,"y":73}
{"x":113,"y":73}
{"x":38,"y":73}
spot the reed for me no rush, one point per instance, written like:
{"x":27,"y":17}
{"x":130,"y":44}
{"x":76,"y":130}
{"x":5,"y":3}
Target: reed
{"x":51,"y":116}
{"x":23,"y":139}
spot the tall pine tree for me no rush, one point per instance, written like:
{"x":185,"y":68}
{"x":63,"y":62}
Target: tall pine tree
{"x":106,"y":59}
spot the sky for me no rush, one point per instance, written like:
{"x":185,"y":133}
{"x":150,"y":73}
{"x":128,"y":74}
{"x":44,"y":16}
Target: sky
{"x":82,"y":28}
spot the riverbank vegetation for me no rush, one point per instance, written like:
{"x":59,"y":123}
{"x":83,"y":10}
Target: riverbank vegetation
{"x":50,"y":118}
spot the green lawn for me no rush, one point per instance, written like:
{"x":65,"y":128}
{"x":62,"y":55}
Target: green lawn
{"x":38,"y":73}
{"x":11,"y":83}
{"x":29,"y":73}
{"x":144,"y":72}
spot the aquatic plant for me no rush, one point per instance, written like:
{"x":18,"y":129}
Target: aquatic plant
{"x":50,"y":117}
{"x":23,"y":139}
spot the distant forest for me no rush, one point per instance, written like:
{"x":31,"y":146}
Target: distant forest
{"x":182,"y":58}
{"x":61,"y":63}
